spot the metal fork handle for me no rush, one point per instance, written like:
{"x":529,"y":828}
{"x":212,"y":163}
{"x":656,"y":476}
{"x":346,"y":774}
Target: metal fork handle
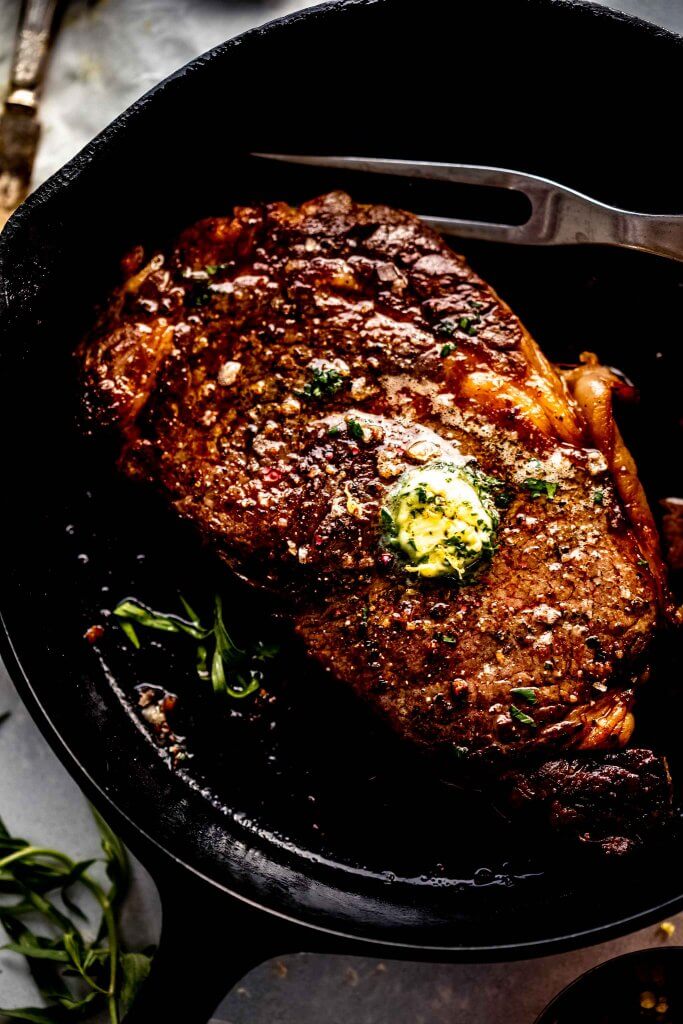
{"x":31,"y":51}
{"x":566,"y":217}
{"x":654,"y":233}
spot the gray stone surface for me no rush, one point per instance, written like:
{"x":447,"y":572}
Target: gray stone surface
{"x":667,"y":13}
{"x":40,"y":801}
{"x":108,"y":54}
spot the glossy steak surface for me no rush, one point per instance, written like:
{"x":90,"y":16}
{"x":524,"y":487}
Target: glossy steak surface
{"x":277,"y":373}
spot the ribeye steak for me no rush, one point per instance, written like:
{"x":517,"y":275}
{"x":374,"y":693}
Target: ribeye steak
{"x":354,"y":420}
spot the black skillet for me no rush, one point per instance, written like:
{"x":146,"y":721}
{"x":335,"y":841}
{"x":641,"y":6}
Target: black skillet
{"x":301,"y":826}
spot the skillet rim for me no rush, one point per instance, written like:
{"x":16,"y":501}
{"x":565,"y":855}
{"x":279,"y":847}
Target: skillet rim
{"x":68,"y":177}
{"x":136,"y":835}
{"x":71,"y":170}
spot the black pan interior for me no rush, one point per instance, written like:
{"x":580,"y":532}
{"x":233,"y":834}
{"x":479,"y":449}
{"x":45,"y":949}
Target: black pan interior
{"x":300,"y":802}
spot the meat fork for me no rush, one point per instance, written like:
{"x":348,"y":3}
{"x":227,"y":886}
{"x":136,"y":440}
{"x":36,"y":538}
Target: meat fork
{"x":559,"y":215}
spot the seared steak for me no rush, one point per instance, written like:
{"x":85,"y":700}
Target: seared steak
{"x":301,"y":382}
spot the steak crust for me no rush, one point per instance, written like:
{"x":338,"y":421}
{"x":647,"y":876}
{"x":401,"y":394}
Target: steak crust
{"x":202,"y":361}
{"x":613,"y":802}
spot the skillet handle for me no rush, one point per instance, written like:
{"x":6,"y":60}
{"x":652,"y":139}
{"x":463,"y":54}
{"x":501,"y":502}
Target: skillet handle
{"x":209,"y":941}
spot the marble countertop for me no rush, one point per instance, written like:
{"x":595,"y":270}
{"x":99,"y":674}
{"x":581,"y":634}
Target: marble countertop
{"x":108,"y":53}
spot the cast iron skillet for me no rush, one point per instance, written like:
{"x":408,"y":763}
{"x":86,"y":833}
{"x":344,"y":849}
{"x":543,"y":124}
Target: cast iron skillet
{"x":303,"y":823}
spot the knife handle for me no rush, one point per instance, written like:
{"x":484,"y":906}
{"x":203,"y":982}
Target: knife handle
{"x":34,"y":36}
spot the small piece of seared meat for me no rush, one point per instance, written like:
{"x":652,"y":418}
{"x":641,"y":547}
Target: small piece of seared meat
{"x":354,"y":420}
{"x":614,"y":801}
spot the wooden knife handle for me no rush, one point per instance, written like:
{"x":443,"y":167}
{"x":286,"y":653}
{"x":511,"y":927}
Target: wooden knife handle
{"x":34,"y":36}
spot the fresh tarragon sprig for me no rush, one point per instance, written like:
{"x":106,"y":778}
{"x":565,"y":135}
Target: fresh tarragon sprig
{"x":218,"y":658}
{"x":76,"y":973}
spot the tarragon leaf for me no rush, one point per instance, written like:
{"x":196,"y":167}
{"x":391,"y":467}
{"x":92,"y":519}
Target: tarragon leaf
{"x":133,"y":611}
{"x":135,"y":968}
{"x":538,"y":488}
{"x":226,"y":665}
{"x":521,"y":716}
{"x":527,"y":693}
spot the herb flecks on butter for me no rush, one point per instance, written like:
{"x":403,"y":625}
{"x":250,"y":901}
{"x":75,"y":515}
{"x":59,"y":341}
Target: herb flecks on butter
{"x":441,"y":518}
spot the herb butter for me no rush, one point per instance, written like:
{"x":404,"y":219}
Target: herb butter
{"x":441,"y":518}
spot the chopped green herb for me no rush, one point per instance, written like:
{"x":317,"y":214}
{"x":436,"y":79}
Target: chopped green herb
{"x":468,"y":324}
{"x":324,"y":383}
{"x":231,"y":672}
{"x":198,"y":296}
{"x":527,"y":693}
{"x":78,"y":974}
{"x":497,"y":488}
{"x":445,"y":329}
{"x":446,"y":638}
{"x":642,"y":562}
{"x":335,"y":430}
{"x":537,"y":487}
{"x":521,"y":716}
{"x":355,"y":429}
{"x":215,"y":268}
{"x":598,"y":496}
{"x":447,"y":349}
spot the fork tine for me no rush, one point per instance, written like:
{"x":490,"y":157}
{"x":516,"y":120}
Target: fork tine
{"x":511,"y":233}
{"x":466,"y":174}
